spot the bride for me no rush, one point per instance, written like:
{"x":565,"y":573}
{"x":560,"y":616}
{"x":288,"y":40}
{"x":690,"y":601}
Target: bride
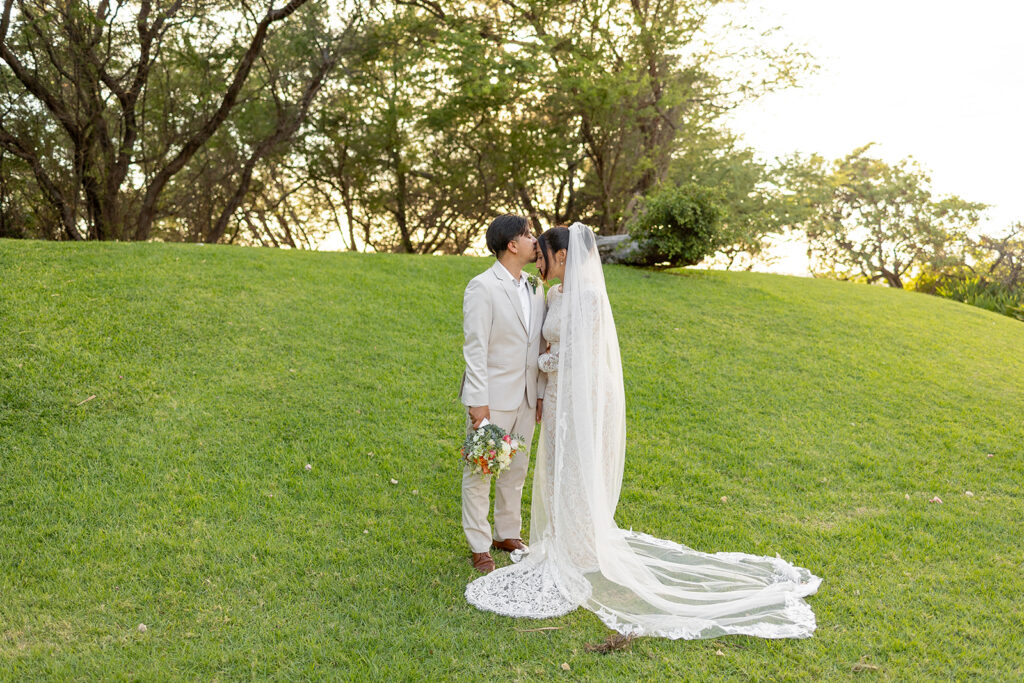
{"x":578,"y":557}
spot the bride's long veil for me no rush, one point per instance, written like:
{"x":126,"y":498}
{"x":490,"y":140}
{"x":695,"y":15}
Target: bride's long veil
{"x":635,"y":583}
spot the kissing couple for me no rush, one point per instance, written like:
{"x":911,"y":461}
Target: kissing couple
{"x":554,"y":360}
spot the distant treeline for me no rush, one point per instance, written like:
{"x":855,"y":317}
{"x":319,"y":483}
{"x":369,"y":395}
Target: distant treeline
{"x":406,"y":126}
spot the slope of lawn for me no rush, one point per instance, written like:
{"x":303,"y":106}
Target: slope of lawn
{"x":159,"y":403}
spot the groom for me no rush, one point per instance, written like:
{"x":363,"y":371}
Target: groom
{"x":503,"y":312}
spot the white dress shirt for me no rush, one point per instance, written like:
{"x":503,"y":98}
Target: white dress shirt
{"x":523,"y":290}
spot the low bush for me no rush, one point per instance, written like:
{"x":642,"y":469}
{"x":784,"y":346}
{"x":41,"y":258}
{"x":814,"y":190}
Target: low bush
{"x":677,"y":224}
{"x":964,"y":286}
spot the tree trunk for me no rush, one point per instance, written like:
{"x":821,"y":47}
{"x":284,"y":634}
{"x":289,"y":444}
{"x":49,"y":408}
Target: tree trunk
{"x":892,"y":279}
{"x":400,"y":200}
{"x":528,"y":206}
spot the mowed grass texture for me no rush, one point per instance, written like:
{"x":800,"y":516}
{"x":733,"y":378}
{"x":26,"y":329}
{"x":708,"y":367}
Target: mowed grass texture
{"x":159,"y":404}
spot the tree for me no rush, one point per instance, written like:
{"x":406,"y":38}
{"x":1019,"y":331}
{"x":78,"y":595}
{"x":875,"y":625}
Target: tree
{"x":1001,"y":259}
{"x":633,"y":85}
{"x":429,"y":134}
{"x":876,"y":221}
{"x":247,"y":184}
{"x":92,"y":70}
{"x":990,"y":275}
{"x":752,"y":202}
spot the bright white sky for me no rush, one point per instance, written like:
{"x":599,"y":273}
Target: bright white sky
{"x":942,"y":81}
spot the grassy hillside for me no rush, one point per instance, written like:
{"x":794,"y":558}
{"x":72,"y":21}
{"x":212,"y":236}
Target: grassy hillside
{"x":158,"y":404}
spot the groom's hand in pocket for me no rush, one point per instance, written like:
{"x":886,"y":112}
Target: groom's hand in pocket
{"x":478,"y":414}
{"x":540,"y":409}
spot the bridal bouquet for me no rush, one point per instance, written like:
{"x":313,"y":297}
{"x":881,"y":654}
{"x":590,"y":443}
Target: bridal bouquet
{"x":489,"y":449}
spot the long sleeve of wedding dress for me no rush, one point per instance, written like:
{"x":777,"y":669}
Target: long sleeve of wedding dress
{"x":548,"y":362}
{"x":635,"y":583}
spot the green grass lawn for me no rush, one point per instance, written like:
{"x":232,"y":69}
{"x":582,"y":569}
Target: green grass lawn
{"x":158,"y":404}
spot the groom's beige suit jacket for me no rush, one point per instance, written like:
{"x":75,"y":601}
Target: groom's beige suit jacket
{"x":499,"y":347}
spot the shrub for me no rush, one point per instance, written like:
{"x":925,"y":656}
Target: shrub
{"x":964,"y":286}
{"x":677,"y":224}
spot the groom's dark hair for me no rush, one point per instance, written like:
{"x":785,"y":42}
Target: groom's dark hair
{"x":503,"y":230}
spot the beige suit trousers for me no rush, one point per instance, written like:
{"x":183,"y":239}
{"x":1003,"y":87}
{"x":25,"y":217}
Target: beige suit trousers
{"x":508,"y":489}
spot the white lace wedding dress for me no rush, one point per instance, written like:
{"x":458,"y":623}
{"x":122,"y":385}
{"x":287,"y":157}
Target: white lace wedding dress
{"x":635,"y":583}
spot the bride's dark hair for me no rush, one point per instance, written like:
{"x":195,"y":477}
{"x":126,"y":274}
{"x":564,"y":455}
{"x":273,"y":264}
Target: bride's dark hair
{"x":551,"y":242}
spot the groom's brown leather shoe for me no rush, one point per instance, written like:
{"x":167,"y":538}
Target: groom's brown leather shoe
{"x":483,"y":562}
{"x":509,"y":544}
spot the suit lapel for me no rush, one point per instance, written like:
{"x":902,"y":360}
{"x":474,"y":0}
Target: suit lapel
{"x":513,"y":298}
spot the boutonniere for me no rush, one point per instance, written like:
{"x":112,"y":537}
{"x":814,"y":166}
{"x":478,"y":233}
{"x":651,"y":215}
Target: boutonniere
{"x":533,"y":282}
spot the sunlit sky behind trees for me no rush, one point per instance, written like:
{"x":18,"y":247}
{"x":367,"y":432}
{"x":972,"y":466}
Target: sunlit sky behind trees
{"x":939,"y":81}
